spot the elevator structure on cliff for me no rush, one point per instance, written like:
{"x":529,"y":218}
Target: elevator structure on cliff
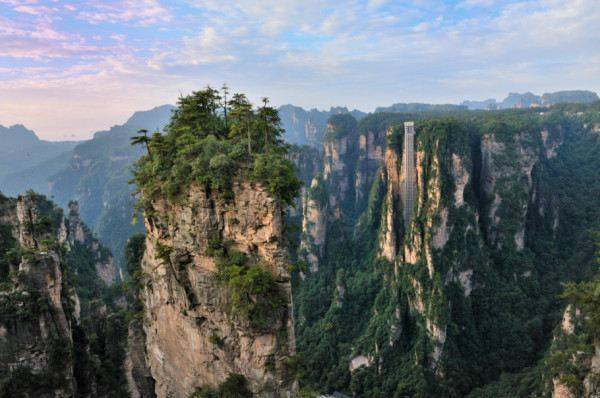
{"x":408,"y":187}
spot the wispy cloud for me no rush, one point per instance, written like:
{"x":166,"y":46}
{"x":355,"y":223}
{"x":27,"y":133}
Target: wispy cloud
{"x":359,"y":53}
{"x":142,"y":12}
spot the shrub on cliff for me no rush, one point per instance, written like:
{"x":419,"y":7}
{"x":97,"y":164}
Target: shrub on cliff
{"x":235,"y":386}
{"x":253,"y":291}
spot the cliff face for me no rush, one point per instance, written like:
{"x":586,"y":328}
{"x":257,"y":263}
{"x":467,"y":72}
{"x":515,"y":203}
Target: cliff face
{"x":304,"y":127}
{"x":390,"y":238}
{"x":193,"y":337}
{"x":468,"y":194}
{"x":337,"y":194}
{"x":314,"y":225}
{"x":490,"y":223}
{"x":371,"y":150}
{"x":63,"y":329}
{"x":79,"y":234}
{"x":339,"y":161}
{"x":575,"y":365}
{"x":326,"y":197}
{"x":37,"y":308}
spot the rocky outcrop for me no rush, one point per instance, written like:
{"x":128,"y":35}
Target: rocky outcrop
{"x":307,"y":127}
{"x":51,"y":306}
{"x":140,"y":383}
{"x":358,"y":362}
{"x":587,"y":364}
{"x":486,"y":222}
{"x":339,"y":162}
{"x":371,"y":154}
{"x":192,"y":337}
{"x":36,"y":305}
{"x":461,"y":177}
{"x":390,"y":238}
{"x":507,"y":172}
{"x":314,"y":225}
{"x":77,"y":233}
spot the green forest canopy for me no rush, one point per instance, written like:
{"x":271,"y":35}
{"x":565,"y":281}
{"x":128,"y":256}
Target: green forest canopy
{"x":212,"y":141}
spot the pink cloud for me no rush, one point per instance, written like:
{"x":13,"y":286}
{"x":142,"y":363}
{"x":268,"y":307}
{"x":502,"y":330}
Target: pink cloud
{"x":142,"y":12}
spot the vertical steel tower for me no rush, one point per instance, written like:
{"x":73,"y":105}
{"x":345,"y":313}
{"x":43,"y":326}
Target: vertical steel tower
{"x":408,"y":165}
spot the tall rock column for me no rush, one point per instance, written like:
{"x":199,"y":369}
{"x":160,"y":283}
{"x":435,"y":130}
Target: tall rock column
{"x":36,"y":308}
{"x":339,"y":163}
{"x":193,"y":337}
{"x":391,"y":236}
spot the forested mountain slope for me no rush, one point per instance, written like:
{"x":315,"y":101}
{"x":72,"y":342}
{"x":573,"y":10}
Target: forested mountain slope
{"x":505,"y":210}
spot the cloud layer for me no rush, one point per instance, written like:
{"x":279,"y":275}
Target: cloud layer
{"x":68,"y":68}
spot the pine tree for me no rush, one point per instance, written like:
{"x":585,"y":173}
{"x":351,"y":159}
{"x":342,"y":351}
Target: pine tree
{"x":141,"y":138}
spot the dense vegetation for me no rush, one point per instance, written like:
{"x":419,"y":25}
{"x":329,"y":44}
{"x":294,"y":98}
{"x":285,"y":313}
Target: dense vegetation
{"x":97,"y":316}
{"x":506,"y":324}
{"x":235,"y":386}
{"x":211,"y":141}
{"x":570,"y":355}
{"x":253,"y":291}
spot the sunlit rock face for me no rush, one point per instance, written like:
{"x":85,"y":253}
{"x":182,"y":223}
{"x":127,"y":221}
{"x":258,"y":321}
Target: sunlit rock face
{"x":192,"y":339}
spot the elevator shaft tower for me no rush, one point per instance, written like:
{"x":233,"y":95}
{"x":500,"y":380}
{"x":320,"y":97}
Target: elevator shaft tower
{"x":408,"y":188}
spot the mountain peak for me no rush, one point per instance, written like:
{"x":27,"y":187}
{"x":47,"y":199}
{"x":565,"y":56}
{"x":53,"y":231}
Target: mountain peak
{"x":151,"y":119}
{"x":17,"y":134}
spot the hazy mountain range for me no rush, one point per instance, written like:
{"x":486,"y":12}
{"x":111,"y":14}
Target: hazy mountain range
{"x":27,"y":162}
{"x":96,"y":172}
{"x":527,"y":100}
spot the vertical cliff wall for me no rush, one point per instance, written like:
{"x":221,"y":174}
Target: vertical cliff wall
{"x":491,"y":225}
{"x":37,"y":308}
{"x":63,"y":329}
{"x":195,"y":335}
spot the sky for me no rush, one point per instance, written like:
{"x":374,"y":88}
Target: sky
{"x":70,"y":68}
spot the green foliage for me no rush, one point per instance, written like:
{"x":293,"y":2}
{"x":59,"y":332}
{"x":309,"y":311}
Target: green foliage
{"x":200,"y":147}
{"x":277,"y":174}
{"x":253,"y":291}
{"x":22,"y":305}
{"x":518,"y":385}
{"x":340,"y":125}
{"x":571,"y":351}
{"x":7,"y":245}
{"x":134,"y":251}
{"x":505,"y":325}
{"x":585,"y":296}
{"x":235,"y":386}
{"x":95,"y":347}
{"x":163,"y":252}
{"x":568,"y":359}
{"x":24,"y":379}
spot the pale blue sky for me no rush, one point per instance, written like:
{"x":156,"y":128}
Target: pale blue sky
{"x":69,"y":68}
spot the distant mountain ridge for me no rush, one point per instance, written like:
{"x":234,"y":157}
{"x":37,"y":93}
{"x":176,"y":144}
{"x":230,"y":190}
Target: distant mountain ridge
{"x":307,"y":127}
{"x":17,"y":135}
{"x":528,"y":100}
{"x":20,"y":154}
{"x":419,"y":107}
